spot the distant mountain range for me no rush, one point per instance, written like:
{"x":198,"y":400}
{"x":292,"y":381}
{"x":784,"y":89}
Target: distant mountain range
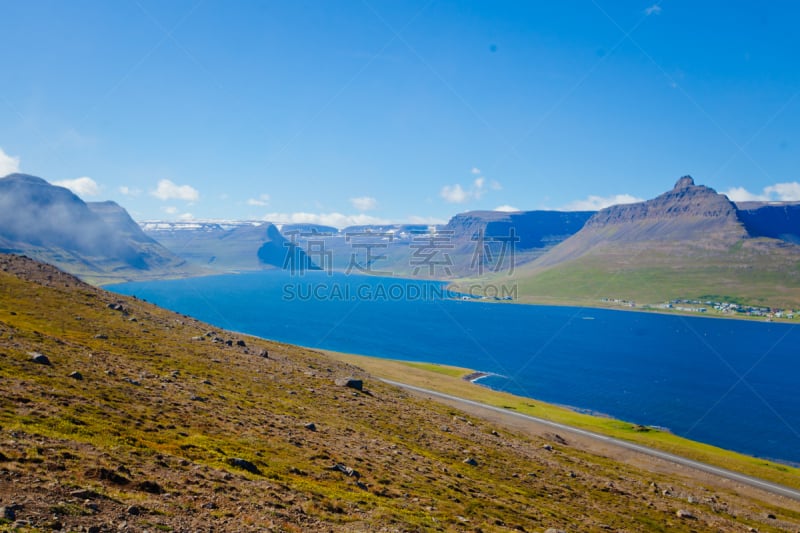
{"x":690,"y":242}
{"x":468,"y":245}
{"x":230,"y":246}
{"x":97,"y":241}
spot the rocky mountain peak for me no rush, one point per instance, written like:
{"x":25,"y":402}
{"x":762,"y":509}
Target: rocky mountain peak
{"x":684,"y":183}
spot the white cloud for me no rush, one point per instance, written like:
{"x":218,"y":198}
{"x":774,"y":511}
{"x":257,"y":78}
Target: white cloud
{"x":506,"y":208}
{"x":740,"y":194}
{"x":186,"y":216}
{"x":262,"y":200}
{"x":786,"y":192}
{"x":8,"y":164}
{"x":655,"y":9}
{"x":779,"y":192}
{"x":337,"y":220}
{"x":364,"y":203}
{"x":475,"y":170}
{"x":456,"y":194}
{"x":595,"y":203}
{"x":170,"y":209}
{"x":128,"y":191}
{"x":167,"y":190}
{"x":83,"y":186}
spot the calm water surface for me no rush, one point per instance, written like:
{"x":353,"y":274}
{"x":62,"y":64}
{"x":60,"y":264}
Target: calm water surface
{"x":729,"y":383}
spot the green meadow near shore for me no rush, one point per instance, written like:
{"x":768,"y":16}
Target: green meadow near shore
{"x":450,"y":380}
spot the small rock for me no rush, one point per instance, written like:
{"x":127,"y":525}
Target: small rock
{"x":104,"y":474}
{"x":210,"y":505}
{"x":134,"y":510}
{"x":264,"y":354}
{"x":40,"y":359}
{"x":345,"y":470}
{"x":554,"y":530}
{"x":350,"y":382}
{"x":228,"y":342}
{"x":548,"y":447}
{"x":93,"y":529}
{"x":241,"y":343}
{"x":244,"y":464}
{"x":771,"y":516}
{"x":8,"y":512}
{"x":76,"y":375}
{"x":150,"y":487}
{"x":101,"y":336}
{"x":311,"y":426}
{"x":470,"y":461}
{"x":683,"y":513}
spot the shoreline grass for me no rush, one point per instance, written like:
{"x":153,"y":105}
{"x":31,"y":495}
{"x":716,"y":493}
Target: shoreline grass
{"x":449,"y":380}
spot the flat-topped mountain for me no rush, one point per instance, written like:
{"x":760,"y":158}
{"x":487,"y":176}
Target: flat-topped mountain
{"x":778,"y":220}
{"x":96,"y":240}
{"x":689,"y":242}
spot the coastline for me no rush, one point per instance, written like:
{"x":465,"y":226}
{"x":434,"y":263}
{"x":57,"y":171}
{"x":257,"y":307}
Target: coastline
{"x":476,"y":376}
{"x":451,"y":286}
{"x":451,"y":380}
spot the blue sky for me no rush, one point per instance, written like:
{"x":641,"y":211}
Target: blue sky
{"x":369,"y":111}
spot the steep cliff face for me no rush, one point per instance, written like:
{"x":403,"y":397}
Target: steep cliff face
{"x":771,"y":219}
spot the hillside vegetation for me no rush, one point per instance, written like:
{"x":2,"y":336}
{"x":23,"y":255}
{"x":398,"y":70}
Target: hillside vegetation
{"x":140,"y":419}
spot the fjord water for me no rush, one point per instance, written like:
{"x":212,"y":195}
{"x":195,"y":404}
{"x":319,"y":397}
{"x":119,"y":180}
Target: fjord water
{"x":730,"y":383}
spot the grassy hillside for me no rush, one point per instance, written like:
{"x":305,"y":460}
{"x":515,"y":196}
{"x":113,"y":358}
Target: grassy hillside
{"x":754,"y":272}
{"x":168,"y":427}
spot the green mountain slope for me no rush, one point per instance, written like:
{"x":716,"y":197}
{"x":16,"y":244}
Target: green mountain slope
{"x":143,"y":419}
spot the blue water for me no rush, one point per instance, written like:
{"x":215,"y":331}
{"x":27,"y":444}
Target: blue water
{"x":729,"y":383}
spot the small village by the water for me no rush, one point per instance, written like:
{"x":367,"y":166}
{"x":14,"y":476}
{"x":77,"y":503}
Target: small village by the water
{"x":711,"y":306}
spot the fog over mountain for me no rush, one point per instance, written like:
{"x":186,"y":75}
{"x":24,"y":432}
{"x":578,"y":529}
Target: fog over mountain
{"x":52,"y":224}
